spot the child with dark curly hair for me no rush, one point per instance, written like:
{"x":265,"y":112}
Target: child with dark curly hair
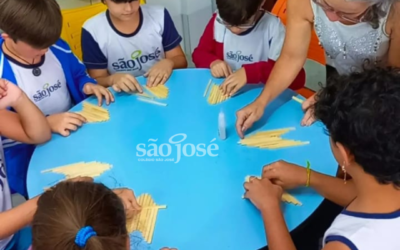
{"x":361,"y":115}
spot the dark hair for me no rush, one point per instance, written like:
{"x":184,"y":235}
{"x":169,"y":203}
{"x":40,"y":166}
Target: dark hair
{"x":35,"y":22}
{"x":362,"y":112}
{"x":377,"y":11}
{"x":65,"y":209}
{"x":237,"y":12}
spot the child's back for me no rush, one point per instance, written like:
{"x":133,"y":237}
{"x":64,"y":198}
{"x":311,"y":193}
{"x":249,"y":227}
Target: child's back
{"x":361,"y":113}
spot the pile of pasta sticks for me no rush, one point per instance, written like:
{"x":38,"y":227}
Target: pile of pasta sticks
{"x":271,"y":140}
{"x":215,"y":95}
{"x":145,"y":220}
{"x":89,"y":169}
{"x":94,"y":113}
{"x":160,"y":91}
{"x":286,"y":197}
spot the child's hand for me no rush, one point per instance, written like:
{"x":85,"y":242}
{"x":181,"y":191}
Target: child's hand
{"x":234,"y":82}
{"x":262,"y":192}
{"x":159,"y":73}
{"x":128,"y":198}
{"x":99,"y":92}
{"x":63,"y":123}
{"x":308,"y":118}
{"x":220,"y":69}
{"x":10,"y":94}
{"x":285,"y":174}
{"x":125,"y":82}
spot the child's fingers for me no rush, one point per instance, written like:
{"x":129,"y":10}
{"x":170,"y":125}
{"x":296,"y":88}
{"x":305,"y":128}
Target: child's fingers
{"x":71,"y":126}
{"x":77,"y":119}
{"x":116,"y":88}
{"x":235,"y":89}
{"x":99,"y":97}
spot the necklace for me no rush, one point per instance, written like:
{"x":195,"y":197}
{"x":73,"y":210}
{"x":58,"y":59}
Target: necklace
{"x":35,"y":71}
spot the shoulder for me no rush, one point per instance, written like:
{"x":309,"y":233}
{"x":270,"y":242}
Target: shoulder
{"x":95,"y":23}
{"x":272,"y":22}
{"x":154,"y":12}
{"x":62,"y":46}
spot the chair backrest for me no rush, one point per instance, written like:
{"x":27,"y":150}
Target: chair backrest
{"x":73,"y":19}
{"x":315,"y":51}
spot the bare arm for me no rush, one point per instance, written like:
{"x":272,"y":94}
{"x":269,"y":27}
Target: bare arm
{"x":277,"y":233}
{"x":102,"y":76}
{"x":28,"y":125}
{"x":294,"y":51}
{"x":177,"y":56}
{"x":14,"y":219}
{"x":333,"y":188}
{"x":394,"y":47}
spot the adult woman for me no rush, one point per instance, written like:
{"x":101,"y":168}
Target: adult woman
{"x":353,"y":33}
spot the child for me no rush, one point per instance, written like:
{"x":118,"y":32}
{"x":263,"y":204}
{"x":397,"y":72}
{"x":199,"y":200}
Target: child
{"x":33,"y":56}
{"x":80,"y":215}
{"x":128,"y":41}
{"x":242,"y":42}
{"x":361,"y":114}
{"x":27,"y":125}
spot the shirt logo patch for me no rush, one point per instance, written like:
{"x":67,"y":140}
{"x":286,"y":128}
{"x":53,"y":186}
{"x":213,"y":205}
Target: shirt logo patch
{"x":46,"y":91}
{"x":136,"y":61}
{"x":238,"y":57}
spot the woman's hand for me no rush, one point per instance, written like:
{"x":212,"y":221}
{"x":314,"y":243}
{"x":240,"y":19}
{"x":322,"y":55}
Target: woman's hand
{"x":285,"y":174}
{"x":247,"y":116}
{"x":159,"y":73}
{"x":64,"y":123}
{"x":99,"y":92}
{"x":234,"y":82}
{"x":307,"y":106}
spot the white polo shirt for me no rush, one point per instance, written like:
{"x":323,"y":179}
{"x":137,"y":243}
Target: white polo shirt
{"x":104,"y":47}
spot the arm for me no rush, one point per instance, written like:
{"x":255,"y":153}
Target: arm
{"x":260,"y":71}
{"x":333,"y":188}
{"x":28,"y":125}
{"x":14,"y":219}
{"x":205,"y":53}
{"x":277,"y":233}
{"x":294,"y":53}
{"x":394,"y":47}
{"x":171,"y":43}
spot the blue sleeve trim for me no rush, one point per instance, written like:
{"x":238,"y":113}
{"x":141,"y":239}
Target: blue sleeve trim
{"x":170,"y":37}
{"x":92,"y":56}
{"x":341,"y":239}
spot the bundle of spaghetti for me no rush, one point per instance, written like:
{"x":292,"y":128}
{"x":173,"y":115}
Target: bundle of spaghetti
{"x":145,"y":220}
{"x":286,"y":197}
{"x":271,"y":140}
{"x":94,"y":113}
{"x":216,"y":95}
{"x":160,"y":91}
{"x":89,"y":169}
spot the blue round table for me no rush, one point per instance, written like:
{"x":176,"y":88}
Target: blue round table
{"x":202,"y":189}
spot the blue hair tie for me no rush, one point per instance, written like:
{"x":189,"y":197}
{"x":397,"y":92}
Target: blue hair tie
{"x":84,"y":235}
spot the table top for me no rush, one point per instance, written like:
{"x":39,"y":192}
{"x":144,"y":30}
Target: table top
{"x":203,"y":194}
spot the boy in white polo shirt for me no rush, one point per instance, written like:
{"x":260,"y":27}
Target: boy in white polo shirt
{"x":129,"y":40}
{"x":33,"y":56}
{"x":241,"y":43}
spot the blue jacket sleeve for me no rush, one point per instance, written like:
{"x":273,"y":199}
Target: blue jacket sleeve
{"x":76,"y":67}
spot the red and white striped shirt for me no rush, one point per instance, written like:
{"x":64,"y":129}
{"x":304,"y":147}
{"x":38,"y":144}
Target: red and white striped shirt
{"x":256,"y":49}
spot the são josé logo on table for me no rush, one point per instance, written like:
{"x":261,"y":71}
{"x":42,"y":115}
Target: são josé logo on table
{"x":136,"y":61}
{"x":154,"y":152}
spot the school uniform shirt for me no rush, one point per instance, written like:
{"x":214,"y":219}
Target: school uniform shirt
{"x":256,"y":49}
{"x":5,"y":195}
{"x":362,"y":231}
{"x":55,"y":90}
{"x":104,"y":47}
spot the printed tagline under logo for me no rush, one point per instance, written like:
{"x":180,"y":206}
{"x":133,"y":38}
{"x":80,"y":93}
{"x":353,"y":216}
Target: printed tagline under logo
{"x":174,"y":150}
